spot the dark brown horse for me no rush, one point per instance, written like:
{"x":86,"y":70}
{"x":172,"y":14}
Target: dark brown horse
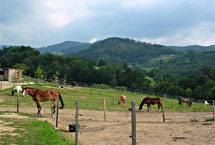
{"x":184,"y":100}
{"x":151,"y":101}
{"x":74,"y":84}
{"x":43,"y":96}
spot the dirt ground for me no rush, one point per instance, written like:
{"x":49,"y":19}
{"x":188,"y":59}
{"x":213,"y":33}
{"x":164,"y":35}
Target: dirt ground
{"x":180,"y":127}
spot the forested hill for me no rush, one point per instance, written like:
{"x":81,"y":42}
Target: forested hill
{"x":125,"y":50}
{"x":64,"y":48}
{"x":92,"y":71}
{"x":194,"y":47}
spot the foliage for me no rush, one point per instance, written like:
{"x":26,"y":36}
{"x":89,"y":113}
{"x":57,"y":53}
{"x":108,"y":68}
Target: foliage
{"x":121,"y":74}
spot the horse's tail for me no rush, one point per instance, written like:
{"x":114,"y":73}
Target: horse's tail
{"x":13,"y":92}
{"x":179,"y":101}
{"x":61,"y":101}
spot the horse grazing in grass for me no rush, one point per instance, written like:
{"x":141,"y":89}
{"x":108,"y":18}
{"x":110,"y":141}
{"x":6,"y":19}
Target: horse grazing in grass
{"x":151,"y":101}
{"x":17,"y":89}
{"x":74,"y":84}
{"x":184,"y":100}
{"x":43,"y":96}
{"x":122,"y":98}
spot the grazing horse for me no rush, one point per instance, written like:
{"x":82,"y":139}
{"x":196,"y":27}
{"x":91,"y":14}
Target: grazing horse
{"x":151,"y":101}
{"x":17,"y":89}
{"x":122,"y":98}
{"x":184,"y":100}
{"x":39,"y":95}
{"x":74,"y":84}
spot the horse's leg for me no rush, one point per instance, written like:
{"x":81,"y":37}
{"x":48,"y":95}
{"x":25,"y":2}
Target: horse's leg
{"x":158,"y":106}
{"x":148,"y":107}
{"x":54,"y":105}
{"x":38,"y":106}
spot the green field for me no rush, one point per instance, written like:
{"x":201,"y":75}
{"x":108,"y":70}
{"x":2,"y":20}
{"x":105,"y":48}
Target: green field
{"x":25,"y":131}
{"x":92,"y":99}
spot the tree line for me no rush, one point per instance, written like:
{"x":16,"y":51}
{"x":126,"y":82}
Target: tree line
{"x":100,"y":71}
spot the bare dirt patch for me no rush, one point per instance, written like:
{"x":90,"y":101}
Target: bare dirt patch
{"x":178,"y":128}
{"x":6,"y":130}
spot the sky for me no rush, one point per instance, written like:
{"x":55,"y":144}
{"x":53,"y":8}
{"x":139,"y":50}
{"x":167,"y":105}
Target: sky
{"x":40,"y":23}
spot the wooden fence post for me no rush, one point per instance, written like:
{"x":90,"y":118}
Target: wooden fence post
{"x":105,"y":110}
{"x":52,"y":99}
{"x":133,"y":122}
{"x":171,"y":102}
{"x":1,"y":84}
{"x":163,"y":112}
{"x":57,"y":113}
{"x":17,"y":100}
{"x":77,"y":127}
{"x":213,"y":111}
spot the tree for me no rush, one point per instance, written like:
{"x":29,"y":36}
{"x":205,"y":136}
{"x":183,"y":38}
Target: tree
{"x":38,"y":73}
{"x":21,"y":67}
{"x":188,"y":92}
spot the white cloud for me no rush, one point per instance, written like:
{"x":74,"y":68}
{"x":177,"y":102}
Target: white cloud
{"x":199,"y":34}
{"x":177,"y":22}
{"x":93,"y":40}
{"x":136,"y":3}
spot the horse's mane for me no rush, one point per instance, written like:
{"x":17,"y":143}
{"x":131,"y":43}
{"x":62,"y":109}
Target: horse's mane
{"x":29,"y":88}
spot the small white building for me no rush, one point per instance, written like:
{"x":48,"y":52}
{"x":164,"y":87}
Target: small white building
{"x":10,"y":74}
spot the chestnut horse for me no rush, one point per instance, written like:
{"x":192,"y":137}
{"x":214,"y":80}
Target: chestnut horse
{"x":122,"y":98}
{"x":151,"y":101}
{"x":184,"y":100}
{"x":43,"y":96}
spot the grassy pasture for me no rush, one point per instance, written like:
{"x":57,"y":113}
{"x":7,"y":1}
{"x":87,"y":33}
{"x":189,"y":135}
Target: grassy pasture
{"x":27,"y":131}
{"x":92,"y":99}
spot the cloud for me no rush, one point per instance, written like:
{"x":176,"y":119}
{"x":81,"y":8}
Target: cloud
{"x":93,"y":40}
{"x":199,"y":34}
{"x":169,"y":22}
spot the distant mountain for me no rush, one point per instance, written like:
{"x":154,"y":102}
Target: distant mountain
{"x":1,"y":46}
{"x":64,"y":48}
{"x":127,"y":50}
{"x":194,"y":47}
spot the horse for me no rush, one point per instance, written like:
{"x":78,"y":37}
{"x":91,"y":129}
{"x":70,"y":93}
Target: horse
{"x":151,"y":101}
{"x":122,"y":98}
{"x":74,"y":84}
{"x":17,"y":89}
{"x":43,"y":96}
{"x":184,"y":100}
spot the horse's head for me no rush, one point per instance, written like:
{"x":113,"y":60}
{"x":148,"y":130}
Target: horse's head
{"x":22,"y":88}
{"x":25,"y":91}
{"x":119,"y":101}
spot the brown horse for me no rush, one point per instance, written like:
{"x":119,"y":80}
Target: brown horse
{"x":184,"y":100}
{"x":74,"y":84}
{"x":39,"y":95}
{"x":151,"y":101}
{"x":122,"y":98}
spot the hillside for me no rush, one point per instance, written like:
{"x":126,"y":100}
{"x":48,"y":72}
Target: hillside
{"x":64,"y":48}
{"x":126,"y":51}
{"x":194,"y":47}
{"x":189,"y":62}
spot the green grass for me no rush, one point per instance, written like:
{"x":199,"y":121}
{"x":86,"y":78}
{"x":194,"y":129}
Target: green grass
{"x":92,"y":99}
{"x":30,"y":131}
